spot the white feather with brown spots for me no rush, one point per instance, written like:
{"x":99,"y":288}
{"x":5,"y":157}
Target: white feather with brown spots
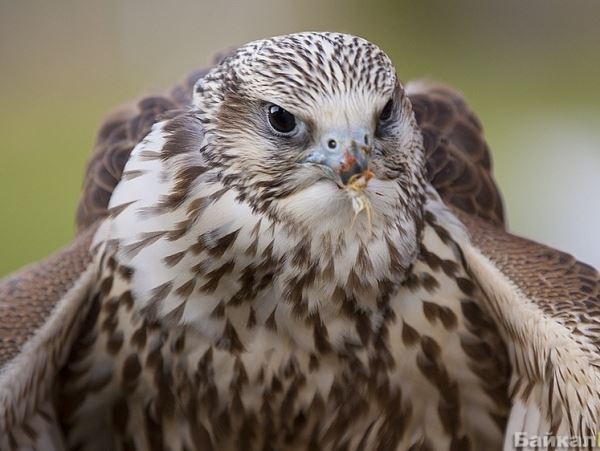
{"x":242,"y":306}
{"x":417,"y":378}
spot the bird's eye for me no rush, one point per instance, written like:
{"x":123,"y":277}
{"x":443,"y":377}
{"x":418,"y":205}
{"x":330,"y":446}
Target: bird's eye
{"x":281,"y":120}
{"x":386,"y":113}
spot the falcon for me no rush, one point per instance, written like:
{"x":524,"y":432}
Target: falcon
{"x":295,"y":250}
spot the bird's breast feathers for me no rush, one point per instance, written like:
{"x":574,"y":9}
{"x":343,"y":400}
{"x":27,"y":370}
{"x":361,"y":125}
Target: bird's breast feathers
{"x":260,"y":325}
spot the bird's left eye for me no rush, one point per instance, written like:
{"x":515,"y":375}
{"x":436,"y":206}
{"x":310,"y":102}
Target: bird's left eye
{"x":281,"y":120}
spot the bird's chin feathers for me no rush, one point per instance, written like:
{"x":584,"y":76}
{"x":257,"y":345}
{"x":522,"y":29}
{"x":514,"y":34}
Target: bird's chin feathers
{"x":323,"y":207}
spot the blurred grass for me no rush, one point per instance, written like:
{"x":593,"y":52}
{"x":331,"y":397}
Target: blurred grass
{"x":67,"y":64}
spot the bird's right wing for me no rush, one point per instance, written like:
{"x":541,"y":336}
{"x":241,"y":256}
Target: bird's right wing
{"x":42,"y":308}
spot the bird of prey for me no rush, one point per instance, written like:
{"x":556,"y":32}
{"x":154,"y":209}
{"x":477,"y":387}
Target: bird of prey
{"x":295,"y":250}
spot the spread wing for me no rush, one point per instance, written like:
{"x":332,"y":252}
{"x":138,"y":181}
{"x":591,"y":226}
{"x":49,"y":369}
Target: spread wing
{"x":547,"y":305}
{"x":458,"y":159}
{"x":40,"y":311}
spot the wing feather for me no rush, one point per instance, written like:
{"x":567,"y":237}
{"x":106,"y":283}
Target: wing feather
{"x":41,"y":308}
{"x":458,"y":159}
{"x":547,"y":306}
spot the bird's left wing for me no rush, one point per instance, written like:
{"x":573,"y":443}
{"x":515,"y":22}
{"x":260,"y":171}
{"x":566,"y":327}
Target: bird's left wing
{"x":547,"y":306}
{"x":42,"y":308}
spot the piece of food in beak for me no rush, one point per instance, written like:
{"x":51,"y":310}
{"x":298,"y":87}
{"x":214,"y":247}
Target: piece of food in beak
{"x":355,"y":188}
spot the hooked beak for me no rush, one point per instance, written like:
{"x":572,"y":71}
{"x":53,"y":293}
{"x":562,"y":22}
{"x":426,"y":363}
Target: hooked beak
{"x":344,"y":163}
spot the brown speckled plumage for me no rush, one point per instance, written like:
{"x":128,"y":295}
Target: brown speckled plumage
{"x":222,"y":293}
{"x":177,"y":375}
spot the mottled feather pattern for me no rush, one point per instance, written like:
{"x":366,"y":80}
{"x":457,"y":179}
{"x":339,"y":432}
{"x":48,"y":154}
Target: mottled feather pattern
{"x":231,"y":298}
{"x":217,"y":261}
{"x":117,"y":136}
{"x":265,"y":394}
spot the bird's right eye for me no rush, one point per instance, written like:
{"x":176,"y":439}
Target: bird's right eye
{"x":281,"y":120}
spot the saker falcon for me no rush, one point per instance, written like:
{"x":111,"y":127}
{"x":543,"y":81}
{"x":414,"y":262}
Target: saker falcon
{"x":295,"y":250}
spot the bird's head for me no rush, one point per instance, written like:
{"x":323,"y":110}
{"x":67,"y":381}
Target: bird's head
{"x":315,"y":129}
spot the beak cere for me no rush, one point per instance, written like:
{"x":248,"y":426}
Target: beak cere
{"x":346,"y":164}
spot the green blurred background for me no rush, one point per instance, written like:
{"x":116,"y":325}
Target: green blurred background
{"x":530,"y":69}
